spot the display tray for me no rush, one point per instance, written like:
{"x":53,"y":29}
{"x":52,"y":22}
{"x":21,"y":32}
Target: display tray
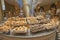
{"x":29,"y":35}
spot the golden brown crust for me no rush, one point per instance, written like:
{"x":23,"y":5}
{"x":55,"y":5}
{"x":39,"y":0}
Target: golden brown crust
{"x":32,"y":20}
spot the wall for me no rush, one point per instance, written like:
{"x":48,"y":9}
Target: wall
{"x":0,"y":12}
{"x":10,"y":8}
{"x":46,"y":7}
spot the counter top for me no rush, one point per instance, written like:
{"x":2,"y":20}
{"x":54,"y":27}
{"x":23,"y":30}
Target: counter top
{"x":45,"y":33}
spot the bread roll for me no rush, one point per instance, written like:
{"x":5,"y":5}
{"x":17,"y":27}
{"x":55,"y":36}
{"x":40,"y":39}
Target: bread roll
{"x":21,"y":29}
{"x":40,"y":17}
{"x":6,"y":28}
{"x":32,"y":20}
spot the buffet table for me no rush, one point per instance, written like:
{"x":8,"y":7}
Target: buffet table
{"x":49,"y":35}
{"x":31,"y":28}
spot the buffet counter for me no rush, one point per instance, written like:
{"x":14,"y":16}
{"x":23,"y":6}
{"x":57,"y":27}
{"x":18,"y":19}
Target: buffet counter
{"x":50,"y":35}
{"x":29,"y":28}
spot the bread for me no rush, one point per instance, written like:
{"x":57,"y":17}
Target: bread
{"x":44,"y":21}
{"x":32,"y":20}
{"x":7,"y":23}
{"x":15,"y":29}
{"x":36,"y":28}
{"x":13,"y":23}
{"x":50,"y":25}
{"x":6,"y":28}
{"x":23,"y":22}
{"x":17,"y":19}
{"x":11,"y":19}
{"x":40,"y":17}
{"x":21,"y":29}
{"x":22,"y":19}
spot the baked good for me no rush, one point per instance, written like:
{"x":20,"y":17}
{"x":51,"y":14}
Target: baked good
{"x":32,"y":20}
{"x":11,"y":19}
{"x":17,"y":19}
{"x":36,"y":28}
{"x":40,"y":17}
{"x":22,"y":19}
{"x":6,"y":28}
{"x":44,"y":21}
{"x":50,"y":25}
{"x":7,"y":23}
{"x":21,"y":29}
{"x":13,"y":23}
{"x":23,"y":22}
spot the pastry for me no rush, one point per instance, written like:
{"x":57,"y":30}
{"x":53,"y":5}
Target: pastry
{"x":40,"y":17}
{"x":7,"y":23}
{"x":21,"y":29}
{"x":6,"y":28}
{"x":37,"y":28}
{"x":44,"y":21}
{"x":11,"y":19}
{"x":17,"y":19}
{"x":22,"y":19}
{"x":32,"y":20}
{"x":50,"y":25}
{"x":15,"y":29}
{"x":13,"y":22}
